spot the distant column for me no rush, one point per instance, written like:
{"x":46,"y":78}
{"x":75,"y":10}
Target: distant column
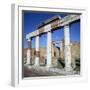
{"x":62,"y":49}
{"x":67,"y":49}
{"x":61,"y":46}
{"x":37,"y":51}
{"x":53,"y":47}
{"x":29,"y":52}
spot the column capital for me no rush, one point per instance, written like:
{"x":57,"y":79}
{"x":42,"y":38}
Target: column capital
{"x":29,"y":39}
{"x":37,"y":35}
{"x":66,"y":26}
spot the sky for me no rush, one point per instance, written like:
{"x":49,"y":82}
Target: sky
{"x":32,"y":19}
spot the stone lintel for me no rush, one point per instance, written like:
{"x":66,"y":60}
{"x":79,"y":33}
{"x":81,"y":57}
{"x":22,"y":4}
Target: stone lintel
{"x":62,"y":22}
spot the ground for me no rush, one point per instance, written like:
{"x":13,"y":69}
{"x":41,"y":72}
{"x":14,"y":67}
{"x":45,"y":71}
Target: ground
{"x":35,"y":71}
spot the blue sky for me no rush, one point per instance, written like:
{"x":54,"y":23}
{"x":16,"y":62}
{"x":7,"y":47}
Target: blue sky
{"x":33,"y":19}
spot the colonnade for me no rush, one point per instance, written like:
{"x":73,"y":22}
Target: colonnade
{"x":67,"y":50}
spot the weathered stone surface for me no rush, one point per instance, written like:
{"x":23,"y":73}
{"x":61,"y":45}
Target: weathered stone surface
{"x":44,"y":71}
{"x":75,"y":54}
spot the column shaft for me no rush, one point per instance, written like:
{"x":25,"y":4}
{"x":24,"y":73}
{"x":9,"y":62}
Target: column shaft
{"x":49,"y":49}
{"x":37,"y":51}
{"x":61,"y":46}
{"x":53,"y":47}
{"x":29,"y":52}
{"x":67,"y":49}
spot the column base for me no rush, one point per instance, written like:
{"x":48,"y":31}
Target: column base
{"x":28,"y":61}
{"x":36,"y":62}
{"x":48,"y":66}
{"x":68,"y":69}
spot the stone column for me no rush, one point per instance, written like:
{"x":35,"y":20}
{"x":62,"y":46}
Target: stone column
{"x":37,"y":51}
{"x":61,"y":46}
{"x":73,"y":63}
{"x":53,"y":47}
{"x":67,"y":49}
{"x":49,"y":49}
{"x":62,"y":49}
{"x":29,"y":52}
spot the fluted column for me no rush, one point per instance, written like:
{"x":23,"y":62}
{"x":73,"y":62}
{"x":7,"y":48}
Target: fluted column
{"x":37,"y":51}
{"x":67,"y":49}
{"x":29,"y":52}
